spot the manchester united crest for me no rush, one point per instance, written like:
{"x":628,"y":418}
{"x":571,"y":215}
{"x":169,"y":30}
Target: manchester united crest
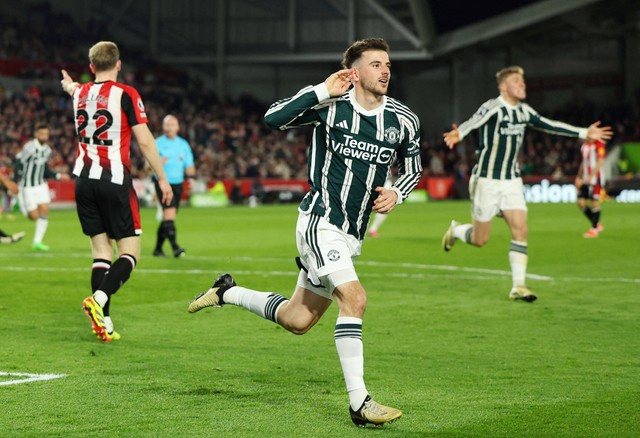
{"x":392,"y":135}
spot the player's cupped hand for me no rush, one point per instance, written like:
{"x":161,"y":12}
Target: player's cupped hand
{"x":340,"y":81}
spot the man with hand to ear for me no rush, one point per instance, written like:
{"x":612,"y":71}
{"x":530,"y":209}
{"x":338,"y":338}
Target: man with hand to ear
{"x":358,"y":131}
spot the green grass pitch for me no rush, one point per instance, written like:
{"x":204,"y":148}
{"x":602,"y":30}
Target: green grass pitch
{"x":442,"y":341}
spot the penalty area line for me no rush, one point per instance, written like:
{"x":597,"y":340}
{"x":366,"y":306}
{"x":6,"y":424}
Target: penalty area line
{"x":27,"y":377}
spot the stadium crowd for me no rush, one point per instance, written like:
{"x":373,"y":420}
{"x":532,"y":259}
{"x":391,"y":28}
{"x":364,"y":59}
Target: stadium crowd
{"x":228,"y":137}
{"x":230,"y":140}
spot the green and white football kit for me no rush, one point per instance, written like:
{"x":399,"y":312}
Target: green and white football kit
{"x":496,"y":184}
{"x":351,"y":153}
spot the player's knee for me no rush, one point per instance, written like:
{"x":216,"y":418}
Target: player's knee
{"x":295,"y":321}
{"x":354,"y":306}
{"x":299,"y":326}
{"x":299,"y":331}
{"x":359,"y":304}
{"x":521,"y":233}
{"x":479,"y":240}
{"x":351,"y":298}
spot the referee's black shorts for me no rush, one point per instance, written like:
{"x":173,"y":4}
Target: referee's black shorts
{"x":177,"y":194}
{"x":105,"y":207}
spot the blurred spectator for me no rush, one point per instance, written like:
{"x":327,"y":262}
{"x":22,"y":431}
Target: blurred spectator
{"x":228,"y":138}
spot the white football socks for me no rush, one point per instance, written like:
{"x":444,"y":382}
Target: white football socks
{"x":348,"y":336}
{"x":41,"y":228}
{"x":100,"y":297}
{"x":460,"y":232}
{"x":518,"y":259}
{"x":108,"y":324}
{"x":263,"y":304}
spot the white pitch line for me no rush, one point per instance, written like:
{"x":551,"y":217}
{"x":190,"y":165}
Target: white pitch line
{"x":87,"y":255}
{"x":290,"y":260}
{"x":211,"y":273}
{"x":30,"y":377}
{"x":495,"y":273}
{"x":451,"y":268}
{"x":489,"y":274}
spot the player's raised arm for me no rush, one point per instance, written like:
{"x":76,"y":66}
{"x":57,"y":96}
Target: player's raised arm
{"x":68,"y":85}
{"x":298,"y":110}
{"x":452,"y":137}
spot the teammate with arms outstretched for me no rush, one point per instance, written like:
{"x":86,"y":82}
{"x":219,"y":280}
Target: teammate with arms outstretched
{"x":357,"y":133}
{"x":589,"y":182}
{"x":106,"y":113}
{"x":495,"y":185}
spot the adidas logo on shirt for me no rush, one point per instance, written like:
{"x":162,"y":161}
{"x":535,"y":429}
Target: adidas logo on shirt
{"x":343,"y":124}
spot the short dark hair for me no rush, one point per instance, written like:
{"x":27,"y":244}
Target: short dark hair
{"x":355,"y":51}
{"x":41,"y":125}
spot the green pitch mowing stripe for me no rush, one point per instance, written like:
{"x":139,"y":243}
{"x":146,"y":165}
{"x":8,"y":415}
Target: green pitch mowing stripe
{"x":442,"y":341}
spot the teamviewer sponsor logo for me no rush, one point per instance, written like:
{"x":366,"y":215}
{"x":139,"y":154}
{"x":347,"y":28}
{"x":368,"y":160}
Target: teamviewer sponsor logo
{"x":362,"y":150}
{"x":512,"y":129}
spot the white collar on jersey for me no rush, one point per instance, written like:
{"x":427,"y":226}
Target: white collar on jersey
{"x":361,"y":110}
{"x":507,"y":104}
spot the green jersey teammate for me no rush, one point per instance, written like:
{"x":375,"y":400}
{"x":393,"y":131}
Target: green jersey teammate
{"x":32,"y":170}
{"x":495,"y":185}
{"x":357,"y":133}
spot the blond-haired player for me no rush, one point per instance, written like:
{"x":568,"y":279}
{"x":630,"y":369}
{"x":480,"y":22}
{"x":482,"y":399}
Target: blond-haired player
{"x":495,"y":185}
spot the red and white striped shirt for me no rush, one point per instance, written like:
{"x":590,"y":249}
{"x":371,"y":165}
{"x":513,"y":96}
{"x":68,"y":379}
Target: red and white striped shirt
{"x":591,"y":152}
{"x":104,"y":113}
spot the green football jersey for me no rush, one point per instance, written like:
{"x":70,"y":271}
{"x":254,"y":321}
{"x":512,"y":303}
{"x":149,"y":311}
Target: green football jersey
{"x":501,"y":128}
{"x":351,"y":152}
{"x":32,"y":164}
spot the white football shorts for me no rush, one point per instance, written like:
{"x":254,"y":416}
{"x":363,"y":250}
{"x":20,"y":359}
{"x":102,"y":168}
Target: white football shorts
{"x":31,"y":197}
{"x":327,"y":254}
{"x":489,"y":197}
